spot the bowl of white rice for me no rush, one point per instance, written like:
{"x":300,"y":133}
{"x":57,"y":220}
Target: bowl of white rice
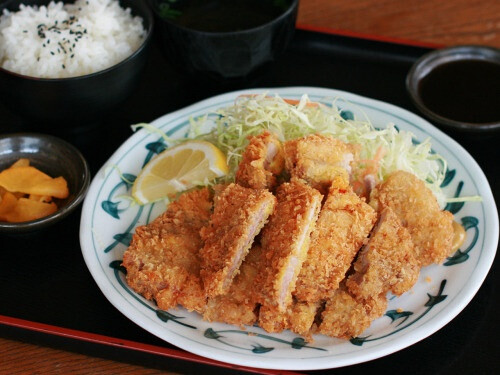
{"x":67,"y":62}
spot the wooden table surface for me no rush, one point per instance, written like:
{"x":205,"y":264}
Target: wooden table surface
{"x":428,"y":22}
{"x":443,"y":23}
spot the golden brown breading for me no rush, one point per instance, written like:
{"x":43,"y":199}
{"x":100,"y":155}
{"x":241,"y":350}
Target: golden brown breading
{"x":318,"y":158}
{"x":238,"y":306}
{"x":285,"y":241}
{"x":430,"y":228}
{"x":343,"y":226}
{"x":299,"y":318}
{"x":261,"y":162}
{"x":346,"y":317}
{"x":162,"y":259}
{"x":239,"y":215}
{"x":273,"y":320}
{"x":387,"y":262}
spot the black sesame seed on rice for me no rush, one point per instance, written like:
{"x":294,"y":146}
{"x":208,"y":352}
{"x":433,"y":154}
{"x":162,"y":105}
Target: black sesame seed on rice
{"x":59,"y":32}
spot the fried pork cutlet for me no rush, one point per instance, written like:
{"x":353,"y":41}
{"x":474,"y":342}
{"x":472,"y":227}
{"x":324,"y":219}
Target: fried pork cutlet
{"x":342,"y":228}
{"x":239,"y":215}
{"x":261,"y":162}
{"x":318,"y":158}
{"x":387,"y":262}
{"x":345,"y":316}
{"x":302,"y":317}
{"x":298,"y":317}
{"x":162,"y":259}
{"x":238,"y":306}
{"x":431,"y":229}
{"x":285,"y":241}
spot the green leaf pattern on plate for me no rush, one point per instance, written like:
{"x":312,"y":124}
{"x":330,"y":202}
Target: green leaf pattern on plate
{"x":456,"y":206}
{"x":433,"y":301}
{"x":296,"y":343}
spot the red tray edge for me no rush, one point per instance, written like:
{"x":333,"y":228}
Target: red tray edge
{"x":373,"y":37}
{"x":128,"y":344}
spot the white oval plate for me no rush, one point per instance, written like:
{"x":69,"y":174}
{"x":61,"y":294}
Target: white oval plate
{"x":108,"y":221}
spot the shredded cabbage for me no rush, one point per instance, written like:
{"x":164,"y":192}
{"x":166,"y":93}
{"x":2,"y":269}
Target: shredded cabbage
{"x":250,"y":115}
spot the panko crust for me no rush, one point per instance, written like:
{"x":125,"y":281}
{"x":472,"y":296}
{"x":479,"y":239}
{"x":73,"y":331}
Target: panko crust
{"x":431,"y":229}
{"x":345,"y":316}
{"x":299,"y":318}
{"x":387,"y":262}
{"x":285,"y":241}
{"x":262,"y":161}
{"x":318,"y":158}
{"x":238,"y":306}
{"x":344,"y":224}
{"x":239,"y":215}
{"x":162,"y":259}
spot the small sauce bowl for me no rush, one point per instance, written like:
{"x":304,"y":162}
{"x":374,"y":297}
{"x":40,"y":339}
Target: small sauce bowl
{"x":458,"y":88}
{"x":55,"y":157}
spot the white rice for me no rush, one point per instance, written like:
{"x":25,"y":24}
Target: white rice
{"x":68,"y":40}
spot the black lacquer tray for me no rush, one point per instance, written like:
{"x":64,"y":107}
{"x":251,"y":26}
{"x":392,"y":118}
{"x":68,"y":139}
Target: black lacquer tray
{"x":48,"y":296}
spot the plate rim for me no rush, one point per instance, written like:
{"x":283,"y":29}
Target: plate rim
{"x":411,"y":337}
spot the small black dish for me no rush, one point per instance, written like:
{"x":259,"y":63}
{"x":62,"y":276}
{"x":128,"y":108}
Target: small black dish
{"x":65,"y":103}
{"x":458,"y":88}
{"x":222,"y":52}
{"x":55,"y":157}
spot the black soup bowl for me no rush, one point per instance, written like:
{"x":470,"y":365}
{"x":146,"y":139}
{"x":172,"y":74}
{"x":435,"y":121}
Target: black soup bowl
{"x":224,"y":38}
{"x":63,"y":103}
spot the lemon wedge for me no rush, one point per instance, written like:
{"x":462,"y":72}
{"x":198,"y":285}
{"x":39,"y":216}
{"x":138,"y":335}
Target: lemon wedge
{"x":177,"y":169}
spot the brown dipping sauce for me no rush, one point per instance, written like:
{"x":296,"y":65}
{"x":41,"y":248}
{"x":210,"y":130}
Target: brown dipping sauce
{"x":465,"y":91}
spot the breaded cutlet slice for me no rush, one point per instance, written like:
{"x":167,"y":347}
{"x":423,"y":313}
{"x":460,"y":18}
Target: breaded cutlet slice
{"x":285,"y":242}
{"x":261,"y":162}
{"x":345,"y":316}
{"x":299,"y":318}
{"x":318,"y":158}
{"x":431,"y":229}
{"x":343,"y":226}
{"x":302,"y":317}
{"x":387,"y":262}
{"x":238,"y":306}
{"x":162,"y":259}
{"x":239,"y":215}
